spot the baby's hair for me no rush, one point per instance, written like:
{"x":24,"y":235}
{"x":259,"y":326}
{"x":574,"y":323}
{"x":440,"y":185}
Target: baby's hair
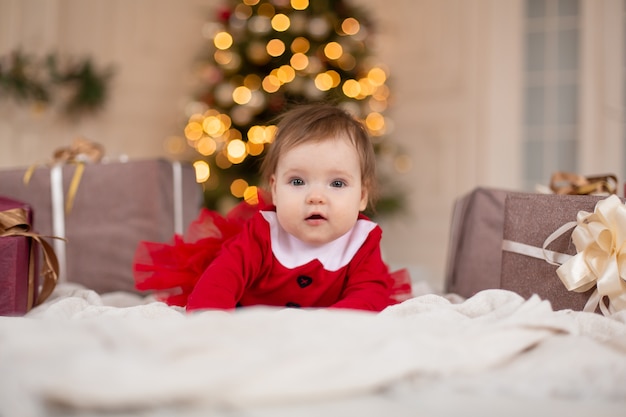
{"x":318,"y":122}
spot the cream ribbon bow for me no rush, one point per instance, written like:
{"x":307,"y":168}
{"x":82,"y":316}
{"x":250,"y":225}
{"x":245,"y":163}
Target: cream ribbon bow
{"x":600,"y":240}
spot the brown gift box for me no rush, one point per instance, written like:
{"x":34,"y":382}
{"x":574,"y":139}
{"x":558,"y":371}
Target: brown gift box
{"x":18,"y":267}
{"x":116,"y":206}
{"x":530,"y":219}
{"x":474,"y":249}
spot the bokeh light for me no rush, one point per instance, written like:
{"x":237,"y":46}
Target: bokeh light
{"x":280,"y":22}
{"x":202,"y":171}
{"x":350,"y":26}
{"x":300,"y":45}
{"x":223,"y":40}
{"x":275,"y":47}
{"x":238,"y":187}
{"x":299,"y":61}
{"x":333,"y":50}
{"x":299,"y":4}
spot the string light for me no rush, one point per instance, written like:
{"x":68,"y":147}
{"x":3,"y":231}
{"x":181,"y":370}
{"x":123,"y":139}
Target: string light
{"x":377,"y":76}
{"x":266,"y":10}
{"x":223,"y":40}
{"x":375,"y":122}
{"x":238,"y":187}
{"x":299,"y":61}
{"x":251,"y":195}
{"x":242,"y":95}
{"x":271,"y":83}
{"x":285,"y":74}
{"x":350,"y":26}
{"x":254,"y":149}
{"x":351,"y":88}
{"x":301,"y":45}
{"x":252,"y":81}
{"x":203,"y":172}
{"x":243,"y":11}
{"x":236,"y":151}
{"x":333,"y":50}
{"x":280,"y":22}
{"x":206,"y":146}
{"x":299,"y":4}
{"x":223,"y":57}
{"x":275,"y":47}
{"x":193,"y":131}
{"x":323,"y":81}
{"x":334,"y":75}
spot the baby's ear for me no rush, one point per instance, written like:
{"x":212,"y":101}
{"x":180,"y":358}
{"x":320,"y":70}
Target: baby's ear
{"x":364,"y":199}
{"x":272,"y":185}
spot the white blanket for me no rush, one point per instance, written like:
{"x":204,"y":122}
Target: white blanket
{"x":81,"y":352}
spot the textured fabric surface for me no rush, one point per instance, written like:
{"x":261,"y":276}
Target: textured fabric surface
{"x":118,"y":354}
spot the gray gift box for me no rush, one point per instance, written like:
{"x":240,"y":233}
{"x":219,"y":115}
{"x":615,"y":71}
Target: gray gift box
{"x":530,"y":219}
{"x":117,"y":205}
{"x":474,"y":250}
{"x":485,"y":218}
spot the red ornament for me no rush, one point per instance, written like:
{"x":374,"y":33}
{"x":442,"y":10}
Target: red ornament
{"x":223,"y":15}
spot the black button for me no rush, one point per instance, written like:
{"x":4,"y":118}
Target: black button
{"x":304,"y":281}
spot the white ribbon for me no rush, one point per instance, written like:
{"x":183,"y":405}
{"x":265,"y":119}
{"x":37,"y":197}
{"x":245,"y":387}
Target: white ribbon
{"x":177,"y":180}
{"x":58,"y":218}
{"x":600,"y":240}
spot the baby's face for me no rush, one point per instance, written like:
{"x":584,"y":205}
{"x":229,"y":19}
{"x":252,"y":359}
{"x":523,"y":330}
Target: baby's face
{"x":317,"y":190}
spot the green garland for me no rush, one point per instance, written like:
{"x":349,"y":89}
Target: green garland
{"x":28,"y":79}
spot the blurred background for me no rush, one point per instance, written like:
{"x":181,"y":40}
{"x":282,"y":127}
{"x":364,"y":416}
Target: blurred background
{"x":464,"y":93}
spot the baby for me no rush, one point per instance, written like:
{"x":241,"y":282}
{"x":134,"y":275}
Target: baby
{"x":314,"y":247}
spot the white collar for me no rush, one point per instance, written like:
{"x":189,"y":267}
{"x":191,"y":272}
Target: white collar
{"x":292,"y":252}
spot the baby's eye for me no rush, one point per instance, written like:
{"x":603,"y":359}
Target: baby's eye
{"x":337,"y":184}
{"x":296,"y":181}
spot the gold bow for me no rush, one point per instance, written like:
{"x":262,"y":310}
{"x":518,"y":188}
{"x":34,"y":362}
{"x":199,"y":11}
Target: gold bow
{"x":569,"y":183}
{"x":79,"y":152}
{"x":14,"y":222}
{"x":600,"y":240}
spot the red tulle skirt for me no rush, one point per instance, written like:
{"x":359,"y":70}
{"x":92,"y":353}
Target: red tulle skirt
{"x":171,"y":270}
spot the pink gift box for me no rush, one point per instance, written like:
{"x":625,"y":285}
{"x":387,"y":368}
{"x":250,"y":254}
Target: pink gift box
{"x":117,"y":205}
{"x":18,"y":268}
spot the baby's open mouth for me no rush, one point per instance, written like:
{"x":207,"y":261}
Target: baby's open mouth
{"x":315,"y":217}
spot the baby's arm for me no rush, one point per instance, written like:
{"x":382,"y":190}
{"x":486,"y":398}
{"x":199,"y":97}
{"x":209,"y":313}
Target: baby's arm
{"x":222,"y":284}
{"x":368,"y":285}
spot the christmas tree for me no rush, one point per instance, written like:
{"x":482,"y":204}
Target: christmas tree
{"x":263,"y":56}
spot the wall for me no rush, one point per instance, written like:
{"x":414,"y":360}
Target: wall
{"x":455,"y":68}
{"x":151,"y":45}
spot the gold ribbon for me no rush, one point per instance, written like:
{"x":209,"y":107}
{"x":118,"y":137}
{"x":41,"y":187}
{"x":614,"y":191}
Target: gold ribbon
{"x":14,"y":222}
{"x":79,"y":152}
{"x":574,"y":184}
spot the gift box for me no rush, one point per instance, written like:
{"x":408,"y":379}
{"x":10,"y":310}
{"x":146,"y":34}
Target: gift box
{"x":18,"y":259}
{"x":474,"y":248}
{"x":115,"y":206}
{"x":532,"y":249}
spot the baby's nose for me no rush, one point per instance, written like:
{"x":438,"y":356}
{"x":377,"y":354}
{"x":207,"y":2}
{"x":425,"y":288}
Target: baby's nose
{"x":315,"y":196}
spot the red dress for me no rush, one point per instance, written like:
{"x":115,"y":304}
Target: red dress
{"x":247,"y":259}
